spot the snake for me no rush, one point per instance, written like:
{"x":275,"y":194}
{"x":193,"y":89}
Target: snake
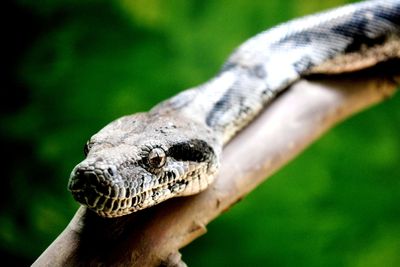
{"x":174,"y":149}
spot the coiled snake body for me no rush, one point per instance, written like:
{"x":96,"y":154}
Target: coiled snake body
{"x":174,"y":149}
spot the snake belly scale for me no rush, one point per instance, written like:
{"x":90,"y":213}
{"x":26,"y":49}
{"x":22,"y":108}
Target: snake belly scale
{"x":174,"y":149}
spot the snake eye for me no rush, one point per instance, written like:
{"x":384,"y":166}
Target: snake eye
{"x":86,"y":148}
{"x":156,"y":158}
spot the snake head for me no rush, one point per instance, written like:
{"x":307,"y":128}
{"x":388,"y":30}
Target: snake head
{"x":140,"y":160}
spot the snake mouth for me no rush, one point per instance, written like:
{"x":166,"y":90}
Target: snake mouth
{"x":103,"y":195}
{"x":118,"y":195}
{"x":110,"y":205}
{"x":105,"y":206}
{"x":90,"y":189}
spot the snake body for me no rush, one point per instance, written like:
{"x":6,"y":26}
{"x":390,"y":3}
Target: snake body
{"x":174,"y":149}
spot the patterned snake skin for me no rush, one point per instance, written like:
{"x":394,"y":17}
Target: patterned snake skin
{"x":174,"y":149}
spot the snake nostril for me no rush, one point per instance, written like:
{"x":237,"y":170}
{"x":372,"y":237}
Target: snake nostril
{"x":110,"y":171}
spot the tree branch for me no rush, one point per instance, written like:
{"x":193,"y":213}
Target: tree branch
{"x":153,"y":236}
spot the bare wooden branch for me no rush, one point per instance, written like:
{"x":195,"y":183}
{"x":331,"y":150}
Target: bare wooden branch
{"x":153,"y":237}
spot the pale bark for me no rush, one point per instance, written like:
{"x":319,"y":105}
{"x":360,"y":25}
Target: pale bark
{"x":154,"y":236}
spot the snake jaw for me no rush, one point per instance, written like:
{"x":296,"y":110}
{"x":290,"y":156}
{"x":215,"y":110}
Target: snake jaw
{"x":115,"y":188}
{"x":132,"y":189}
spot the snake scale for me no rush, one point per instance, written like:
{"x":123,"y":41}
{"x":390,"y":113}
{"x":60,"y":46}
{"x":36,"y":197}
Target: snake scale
{"x":174,"y":149}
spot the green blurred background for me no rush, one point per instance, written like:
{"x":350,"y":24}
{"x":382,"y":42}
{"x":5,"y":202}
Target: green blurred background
{"x":73,"y":66}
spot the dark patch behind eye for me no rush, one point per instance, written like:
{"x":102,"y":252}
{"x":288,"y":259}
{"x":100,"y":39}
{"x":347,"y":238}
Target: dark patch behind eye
{"x":192,"y":150}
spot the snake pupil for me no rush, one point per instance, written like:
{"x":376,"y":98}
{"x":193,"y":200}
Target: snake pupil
{"x":156,"y":158}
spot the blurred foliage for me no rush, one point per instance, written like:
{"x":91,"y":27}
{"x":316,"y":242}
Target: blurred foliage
{"x":73,"y":66}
